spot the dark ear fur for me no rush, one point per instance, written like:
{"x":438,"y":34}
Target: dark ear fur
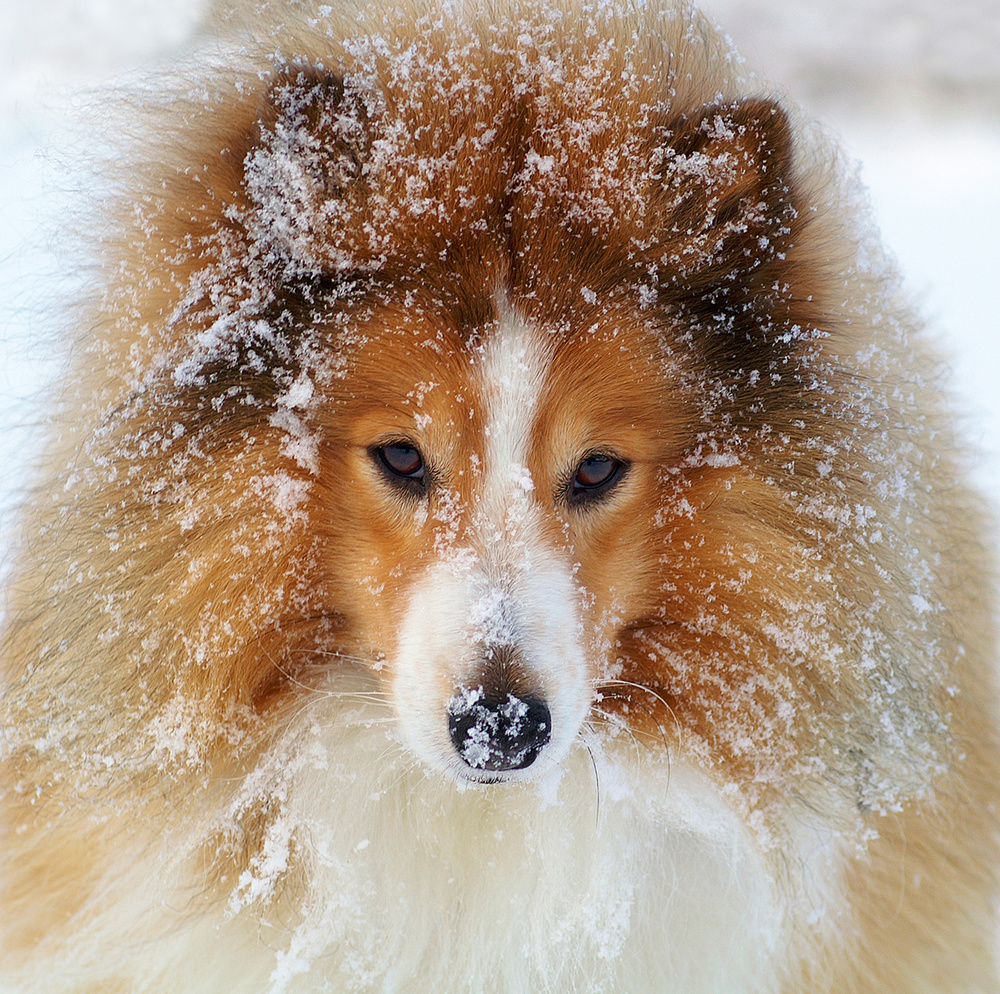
{"x":732,"y":231}
{"x":306,"y":163}
{"x":308,"y":113}
{"x":726,"y":186}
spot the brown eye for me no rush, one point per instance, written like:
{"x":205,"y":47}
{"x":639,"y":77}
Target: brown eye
{"x":402,"y":463}
{"x":595,"y":477}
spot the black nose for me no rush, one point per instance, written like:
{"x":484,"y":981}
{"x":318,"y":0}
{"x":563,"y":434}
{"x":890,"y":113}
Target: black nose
{"x":498,"y":733}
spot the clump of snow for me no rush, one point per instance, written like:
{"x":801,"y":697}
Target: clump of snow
{"x":288,"y":493}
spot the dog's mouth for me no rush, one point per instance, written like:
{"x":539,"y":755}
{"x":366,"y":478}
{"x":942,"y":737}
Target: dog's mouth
{"x":496,"y":734}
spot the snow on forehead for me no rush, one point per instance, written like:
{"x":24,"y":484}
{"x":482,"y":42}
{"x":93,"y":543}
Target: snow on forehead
{"x":441,"y":124}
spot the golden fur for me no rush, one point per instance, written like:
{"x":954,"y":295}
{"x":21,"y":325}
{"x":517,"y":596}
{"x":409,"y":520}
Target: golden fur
{"x":780,"y":612}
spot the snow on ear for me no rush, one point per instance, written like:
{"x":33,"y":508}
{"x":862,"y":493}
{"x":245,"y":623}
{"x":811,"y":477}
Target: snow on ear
{"x":306,"y":164}
{"x":725,"y":184}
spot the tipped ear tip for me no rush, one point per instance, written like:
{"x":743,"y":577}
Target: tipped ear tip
{"x":762,"y":120}
{"x":763,"y":109}
{"x":774,"y":125}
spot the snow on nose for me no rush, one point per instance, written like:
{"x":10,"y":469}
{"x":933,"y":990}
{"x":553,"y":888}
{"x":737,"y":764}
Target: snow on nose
{"x":498,"y":733}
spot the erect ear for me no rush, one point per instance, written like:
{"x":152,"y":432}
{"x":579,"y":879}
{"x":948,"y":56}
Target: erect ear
{"x":726,"y":186}
{"x":306,"y":160}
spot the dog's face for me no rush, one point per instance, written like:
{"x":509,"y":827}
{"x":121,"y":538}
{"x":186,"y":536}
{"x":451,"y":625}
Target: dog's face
{"x":516,"y":398}
{"x":496,"y":490}
{"x":523,"y":358}
{"x":532,"y":403}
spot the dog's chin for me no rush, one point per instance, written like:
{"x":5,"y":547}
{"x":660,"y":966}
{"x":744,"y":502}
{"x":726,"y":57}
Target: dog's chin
{"x":468,"y":776}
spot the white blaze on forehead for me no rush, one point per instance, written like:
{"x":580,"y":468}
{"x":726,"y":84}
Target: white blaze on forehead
{"x":514,"y":367}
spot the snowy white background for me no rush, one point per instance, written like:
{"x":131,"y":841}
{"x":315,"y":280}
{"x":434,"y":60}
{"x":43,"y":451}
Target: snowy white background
{"x":912,"y":86}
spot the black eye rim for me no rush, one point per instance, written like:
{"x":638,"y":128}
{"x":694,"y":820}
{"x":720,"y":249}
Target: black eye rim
{"x":581,"y":494}
{"x":394,"y":471}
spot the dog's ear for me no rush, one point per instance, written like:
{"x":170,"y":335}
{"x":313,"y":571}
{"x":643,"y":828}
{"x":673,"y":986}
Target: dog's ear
{"x":306,"y":161}
{"x":313,"y":131}
{"x":726,"y":202}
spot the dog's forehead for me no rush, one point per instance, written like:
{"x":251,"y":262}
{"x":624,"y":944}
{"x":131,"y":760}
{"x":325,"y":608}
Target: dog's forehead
{"x":512,"y":353}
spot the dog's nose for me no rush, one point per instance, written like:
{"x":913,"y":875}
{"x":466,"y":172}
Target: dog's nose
{"x":497,"y":733}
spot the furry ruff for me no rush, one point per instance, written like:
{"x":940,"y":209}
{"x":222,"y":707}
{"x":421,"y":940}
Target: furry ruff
{"x":501,"y":533}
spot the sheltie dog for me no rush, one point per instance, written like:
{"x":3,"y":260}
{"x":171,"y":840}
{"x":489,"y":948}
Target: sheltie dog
{"x":501,"y":531}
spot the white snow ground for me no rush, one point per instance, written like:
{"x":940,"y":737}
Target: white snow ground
{"x":913,"y":86}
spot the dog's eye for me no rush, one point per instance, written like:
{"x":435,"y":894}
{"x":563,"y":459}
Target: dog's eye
{"x":401,"y":462}
{"x":595,"y":476}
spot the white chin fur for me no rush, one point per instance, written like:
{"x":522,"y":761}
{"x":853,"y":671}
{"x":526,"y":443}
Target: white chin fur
{"x":611,"y":873}
{"x":624,"y":871}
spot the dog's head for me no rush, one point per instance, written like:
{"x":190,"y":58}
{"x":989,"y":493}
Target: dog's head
{"x":516,"y":383}
{"x":520,"y":388}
